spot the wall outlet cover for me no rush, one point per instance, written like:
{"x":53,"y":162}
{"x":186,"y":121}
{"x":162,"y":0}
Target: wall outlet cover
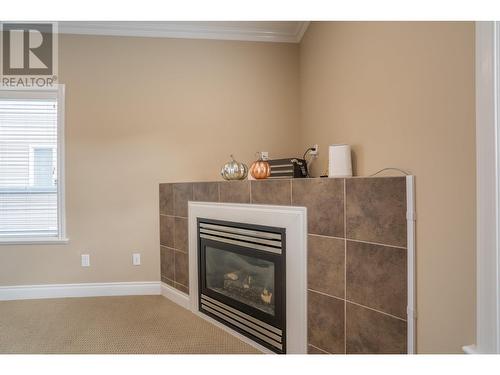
{"x":315,"y":150}
{"x":136,"y":259}
{"x":85,"y":260}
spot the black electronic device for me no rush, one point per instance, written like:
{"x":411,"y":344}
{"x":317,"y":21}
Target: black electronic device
{"x":288,"y":168}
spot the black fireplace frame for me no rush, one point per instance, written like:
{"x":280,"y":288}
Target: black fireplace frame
{"x":279,"y":261}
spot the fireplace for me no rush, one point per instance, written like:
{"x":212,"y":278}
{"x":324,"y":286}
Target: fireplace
{"x":232,"y":242}
{"x":242,"y":279}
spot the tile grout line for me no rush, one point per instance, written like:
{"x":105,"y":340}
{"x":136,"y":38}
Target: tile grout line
{"x":322,"y":235}
{"x":355,"y":303}
{"x":381,"y":312}
{"x":185,"y":286}
{"x":173,"y":239}
{"x":345,"y":269}
{"x":168,"y":247}
{"x":345,"y":207}
{"x":187,"y":252}
{"x":317,"y":348}
{"x":173,"y":198}
{"x":182,"y":217}
{"x":167,"y":278}
{"x":175,"y":216}
{"x":377,"y":244}
{"x":174,"y":244}
{"x":174,"y":264}
{"x":360,"y":241}
{"x":179,"y":251}
{"x":187,"y":219}
{"x":325,"y":294}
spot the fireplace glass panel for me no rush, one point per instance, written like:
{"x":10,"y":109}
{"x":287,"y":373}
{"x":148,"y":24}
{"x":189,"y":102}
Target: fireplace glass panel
{"x":246,"y":279}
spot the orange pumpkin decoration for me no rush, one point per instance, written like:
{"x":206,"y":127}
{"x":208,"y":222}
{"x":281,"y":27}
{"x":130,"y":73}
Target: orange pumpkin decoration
{"x":260,"y":169}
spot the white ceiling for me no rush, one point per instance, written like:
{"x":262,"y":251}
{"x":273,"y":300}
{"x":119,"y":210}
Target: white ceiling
{"x":261,"y":31}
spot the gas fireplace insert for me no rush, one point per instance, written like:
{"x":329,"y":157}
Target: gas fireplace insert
{"x":242,"y":279}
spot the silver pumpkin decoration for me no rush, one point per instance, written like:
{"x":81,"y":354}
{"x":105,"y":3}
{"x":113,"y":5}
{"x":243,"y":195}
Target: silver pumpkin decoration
{"x":234,"y":170}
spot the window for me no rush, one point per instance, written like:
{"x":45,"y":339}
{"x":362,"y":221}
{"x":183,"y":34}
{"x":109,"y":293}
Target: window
{"x":31,"y":165}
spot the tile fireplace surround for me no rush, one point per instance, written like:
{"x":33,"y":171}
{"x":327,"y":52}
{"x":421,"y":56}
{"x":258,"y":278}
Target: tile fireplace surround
{"x":357,"y":255}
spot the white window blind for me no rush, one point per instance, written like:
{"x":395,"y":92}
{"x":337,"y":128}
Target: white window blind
{"x":29,"y":182}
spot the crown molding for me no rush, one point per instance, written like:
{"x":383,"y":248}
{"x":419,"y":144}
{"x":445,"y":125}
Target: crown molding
{"x":301,"y":30}
{"x":282,"y":32}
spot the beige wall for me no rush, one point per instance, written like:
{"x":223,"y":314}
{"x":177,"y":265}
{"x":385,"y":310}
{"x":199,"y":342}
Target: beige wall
{"x":140,"y":111}
{"x":403,"y":95}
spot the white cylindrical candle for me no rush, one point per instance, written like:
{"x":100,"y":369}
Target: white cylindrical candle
{"x":339,"y":161}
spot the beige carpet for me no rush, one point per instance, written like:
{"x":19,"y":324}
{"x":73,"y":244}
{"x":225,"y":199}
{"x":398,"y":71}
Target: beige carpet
{"x":132,"y":324}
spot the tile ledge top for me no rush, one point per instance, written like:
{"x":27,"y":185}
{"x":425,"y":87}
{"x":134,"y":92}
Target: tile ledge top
{"x":283,"y":179}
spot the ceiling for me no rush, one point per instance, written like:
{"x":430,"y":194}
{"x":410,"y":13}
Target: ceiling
{"x":260,"y":31}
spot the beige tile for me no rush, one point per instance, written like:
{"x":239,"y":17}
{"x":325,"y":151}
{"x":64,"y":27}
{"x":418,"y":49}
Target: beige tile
{"x":324,"y":199}
{"x":183,"y":192}
{"x":325,"y":265}
{"x":370,"y":332}
{"x":376,"y":277}
{"x":376,"y":210}
{"x":235,"y":191}
{"x":167,"y":231}
{"x":166,"y":199}
{"x":326,"y":323}
{"x":206,"y":191}
{"x":167,"y":264}
{"x":181,"y":268}
{"x":181,"y":234}
{"x":271,"y":192}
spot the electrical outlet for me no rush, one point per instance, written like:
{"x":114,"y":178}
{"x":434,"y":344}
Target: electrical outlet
{"x":315,"y":150}
{"x":136,"y":259}
{"x":85,"y":260}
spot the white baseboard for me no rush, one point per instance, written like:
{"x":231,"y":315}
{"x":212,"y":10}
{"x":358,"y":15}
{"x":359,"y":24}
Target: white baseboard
{"x":174,"y":295}
{"x":17,"y":292}
{"x":470,"y":349}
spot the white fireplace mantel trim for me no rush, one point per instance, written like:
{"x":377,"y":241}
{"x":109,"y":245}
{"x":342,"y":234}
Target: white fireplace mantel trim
{"x":294,"y":220}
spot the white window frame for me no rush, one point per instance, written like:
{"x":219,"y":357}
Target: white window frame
{"x":61,"y":188}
